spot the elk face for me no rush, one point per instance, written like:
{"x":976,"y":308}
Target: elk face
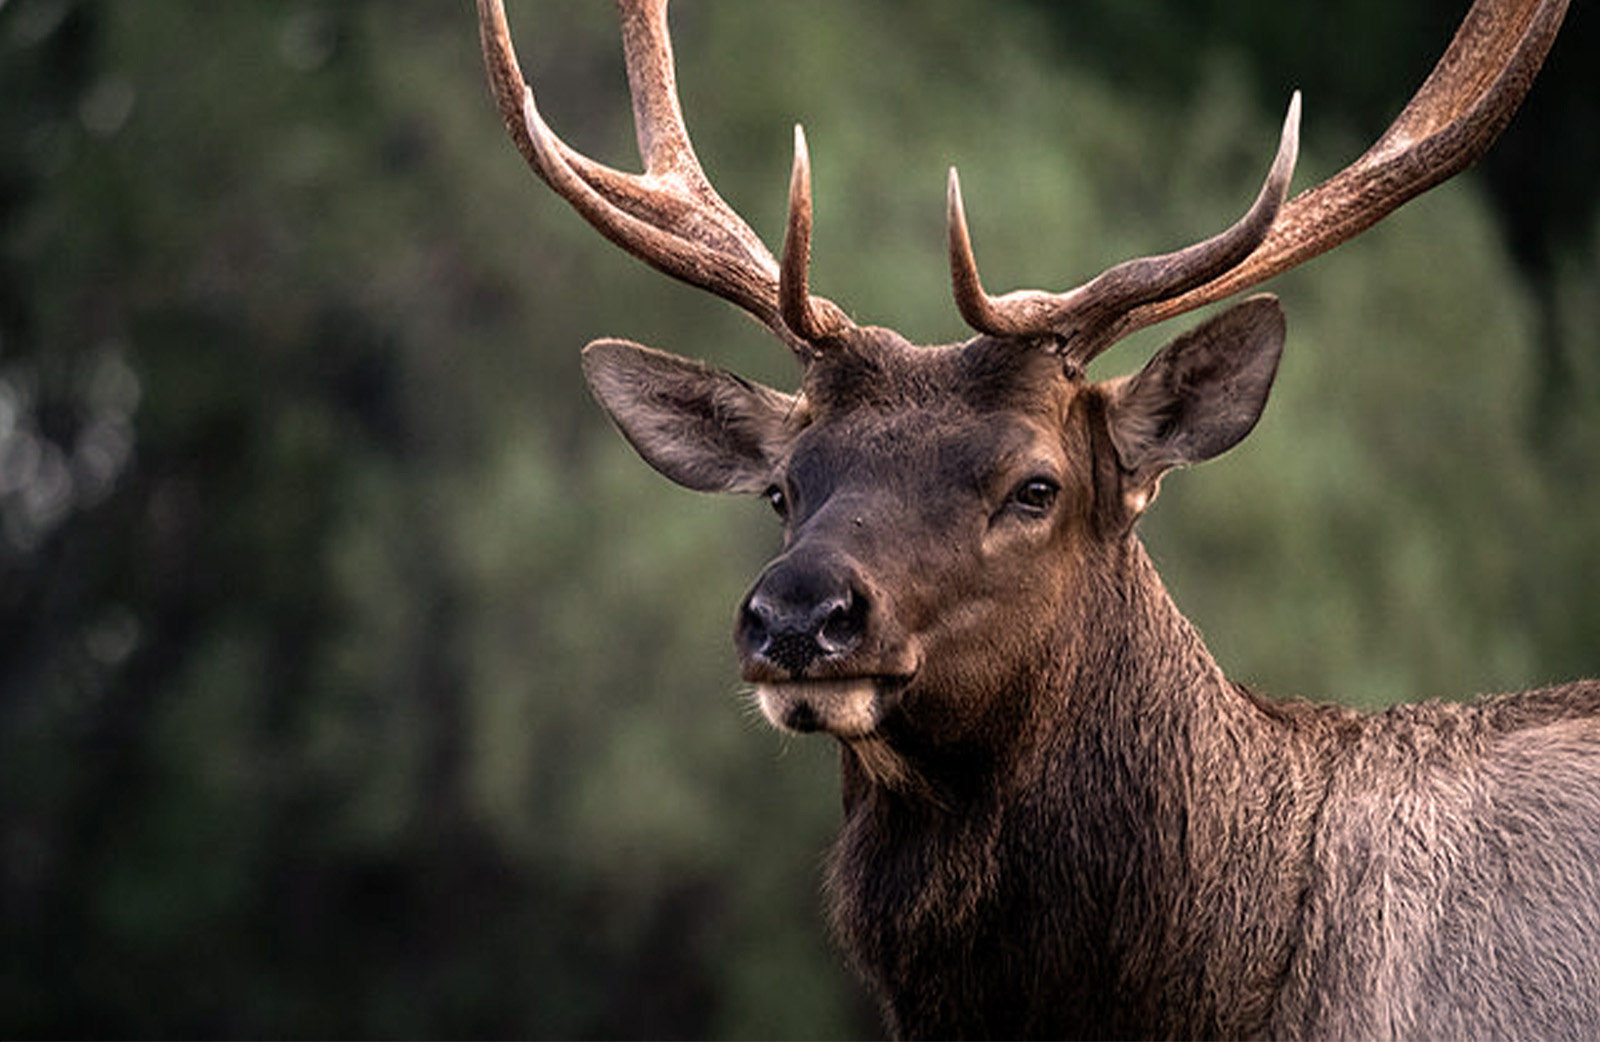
{"x":941,"y":507}
{"x":925,"y":508}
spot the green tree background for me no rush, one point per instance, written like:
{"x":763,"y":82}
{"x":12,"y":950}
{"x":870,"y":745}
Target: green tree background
{"x":356,"y":680}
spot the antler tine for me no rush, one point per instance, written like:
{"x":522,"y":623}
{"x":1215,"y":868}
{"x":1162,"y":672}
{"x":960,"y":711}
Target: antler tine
{"x":670,"y":217}
{"x":653,"y":85}
{"x":1455,"y":116}
{"x":1078,"y":318}
{"x":1023,"y":312}
{"x":815,"y":318}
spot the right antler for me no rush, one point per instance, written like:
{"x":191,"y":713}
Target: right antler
{"x":669,"y":217}
{"x":1454,"y":118}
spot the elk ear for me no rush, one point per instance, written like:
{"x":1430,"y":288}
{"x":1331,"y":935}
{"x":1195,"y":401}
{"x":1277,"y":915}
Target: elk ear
{"x":1197,"y":397}
{"x":702,"y":427}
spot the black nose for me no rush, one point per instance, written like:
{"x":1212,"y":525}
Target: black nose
{"x":798,"y":614}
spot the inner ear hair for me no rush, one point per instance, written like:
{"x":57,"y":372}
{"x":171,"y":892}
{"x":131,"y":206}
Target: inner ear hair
{"x":1120,"y":495}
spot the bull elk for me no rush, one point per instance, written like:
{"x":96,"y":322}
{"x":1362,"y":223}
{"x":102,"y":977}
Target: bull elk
{"x":1060,"y":817}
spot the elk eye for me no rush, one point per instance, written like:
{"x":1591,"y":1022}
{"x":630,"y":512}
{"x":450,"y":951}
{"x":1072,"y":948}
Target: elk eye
{"x":1035,"y":496}
{"x":778,"y":501}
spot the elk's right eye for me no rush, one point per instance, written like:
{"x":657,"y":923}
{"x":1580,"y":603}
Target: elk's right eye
{"x":778,"y":501}
{"x":1034,"y":497}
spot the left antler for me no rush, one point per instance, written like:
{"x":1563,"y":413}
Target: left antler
{"x":1077,"y":318}
{"x":1453,"y":119}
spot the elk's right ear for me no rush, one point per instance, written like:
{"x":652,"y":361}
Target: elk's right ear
{"x":702,"y":427}
{"x":1197,"y":397}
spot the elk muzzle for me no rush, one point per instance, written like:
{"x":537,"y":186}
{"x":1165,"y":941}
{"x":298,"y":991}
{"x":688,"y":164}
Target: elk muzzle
{"x":807,"y":633}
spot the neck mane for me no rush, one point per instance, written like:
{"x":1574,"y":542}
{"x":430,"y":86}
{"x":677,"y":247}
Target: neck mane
{"x":1129,"y":806}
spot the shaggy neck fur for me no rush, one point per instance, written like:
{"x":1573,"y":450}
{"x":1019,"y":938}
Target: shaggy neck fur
{"x":1102,"y":880}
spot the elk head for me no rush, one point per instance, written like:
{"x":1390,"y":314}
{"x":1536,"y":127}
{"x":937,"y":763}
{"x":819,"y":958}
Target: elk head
{"x":952,"y":513}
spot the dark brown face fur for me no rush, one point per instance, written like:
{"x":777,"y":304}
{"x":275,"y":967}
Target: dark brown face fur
{"x":935,"y":497}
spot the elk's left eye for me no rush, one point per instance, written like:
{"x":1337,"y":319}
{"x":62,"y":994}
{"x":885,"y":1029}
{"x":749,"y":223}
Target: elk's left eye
{"x":778,"y":501}
{"x":1035,"y":497}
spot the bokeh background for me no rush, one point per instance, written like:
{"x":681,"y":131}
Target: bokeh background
{"x":357,"y":681}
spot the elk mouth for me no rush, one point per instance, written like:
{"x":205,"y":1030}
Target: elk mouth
{"x":848,"y":708}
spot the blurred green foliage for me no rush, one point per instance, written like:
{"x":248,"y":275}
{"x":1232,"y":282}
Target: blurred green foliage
{"x":356,"y":680}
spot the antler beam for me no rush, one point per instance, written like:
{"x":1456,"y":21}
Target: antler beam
{"x":1453,"y":119}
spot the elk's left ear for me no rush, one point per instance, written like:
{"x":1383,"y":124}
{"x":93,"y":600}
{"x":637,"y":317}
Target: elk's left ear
{"x":1197,"y":397}
{"x":700,"y":426}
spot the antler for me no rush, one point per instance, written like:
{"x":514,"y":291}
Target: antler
{"x":669,"y":217}
{"x":1078,"y":316}
{"x":1453,"y":119}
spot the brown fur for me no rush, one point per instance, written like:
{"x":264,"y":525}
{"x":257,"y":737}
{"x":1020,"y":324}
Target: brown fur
{"x":1063,"y":819}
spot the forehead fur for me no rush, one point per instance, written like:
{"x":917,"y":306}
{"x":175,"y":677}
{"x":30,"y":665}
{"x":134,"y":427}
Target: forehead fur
{"x":880,"y":370}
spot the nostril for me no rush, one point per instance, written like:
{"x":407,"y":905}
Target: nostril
{"x":843,"y":622}
{"x":756,"y":621}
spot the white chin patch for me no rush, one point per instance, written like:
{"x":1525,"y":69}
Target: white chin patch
{"x":842,"y":708}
